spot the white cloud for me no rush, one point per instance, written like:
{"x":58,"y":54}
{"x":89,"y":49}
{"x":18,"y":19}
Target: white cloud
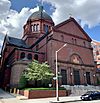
{"x":12,"y":22}
{"x":86,"y":10}
{"x":15,"y":21}
{"x":4,"y":8}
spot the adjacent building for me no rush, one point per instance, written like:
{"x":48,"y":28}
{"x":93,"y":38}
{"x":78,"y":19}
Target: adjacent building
{"x":96,"y":53}
{"x":41,"y":39}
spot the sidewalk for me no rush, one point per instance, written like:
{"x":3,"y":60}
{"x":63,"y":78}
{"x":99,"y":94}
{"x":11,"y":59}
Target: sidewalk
{"x":49,"y":100}
{"x":8,"y":98}
{"x":5,"y":95}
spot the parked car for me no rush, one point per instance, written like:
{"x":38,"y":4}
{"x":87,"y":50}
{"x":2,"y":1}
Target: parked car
{"x":91,"y":95}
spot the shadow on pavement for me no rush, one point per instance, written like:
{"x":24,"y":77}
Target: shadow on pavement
{"x":5,"y":95}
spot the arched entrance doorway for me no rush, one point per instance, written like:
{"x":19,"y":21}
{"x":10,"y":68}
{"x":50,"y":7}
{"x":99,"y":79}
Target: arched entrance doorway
{"x":76,"y":62}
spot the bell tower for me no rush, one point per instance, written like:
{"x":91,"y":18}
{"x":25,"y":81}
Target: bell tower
{"x":37,"y":25}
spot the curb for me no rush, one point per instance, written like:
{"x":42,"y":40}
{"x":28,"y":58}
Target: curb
{"x":20,"y":97}
{"x":65,"y":101}
{"x":73,"y":101}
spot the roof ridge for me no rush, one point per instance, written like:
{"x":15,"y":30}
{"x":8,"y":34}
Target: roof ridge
{"x":17,"y":42}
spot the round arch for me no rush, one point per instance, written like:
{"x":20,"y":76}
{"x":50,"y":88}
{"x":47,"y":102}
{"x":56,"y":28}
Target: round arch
{"x":22,"y":55}
{"x":75,"y":58}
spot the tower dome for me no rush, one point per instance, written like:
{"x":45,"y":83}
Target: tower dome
{"x":40,"y":15}
{"x":38,"y":24}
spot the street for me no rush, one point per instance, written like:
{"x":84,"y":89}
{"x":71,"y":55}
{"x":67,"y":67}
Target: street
{"x":9,"y":98}
{"x":93,"y":101}
{"x":14,"y":100}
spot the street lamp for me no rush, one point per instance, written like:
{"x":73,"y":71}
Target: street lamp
{"x":57,"y":72}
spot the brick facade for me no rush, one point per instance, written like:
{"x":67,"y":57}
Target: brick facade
{"x":42,"y":39}
{"x":96,"y":53}
{"x":33,"y":94}
{"x":17,"y":68}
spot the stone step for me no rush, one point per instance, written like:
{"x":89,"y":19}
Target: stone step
{"x":21,"y":97}
{"x":79,"y":90}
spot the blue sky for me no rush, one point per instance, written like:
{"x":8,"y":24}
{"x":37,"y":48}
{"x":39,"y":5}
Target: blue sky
{"x":19,"y":4}
{"x":14,"y":14}
{"x":93,"y":32}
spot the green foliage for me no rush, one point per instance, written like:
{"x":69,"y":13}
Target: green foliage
{"x":43,"y":88}
{"x":38,"y":72}
{"x":22,"y":82}
{"x":98,"y":82}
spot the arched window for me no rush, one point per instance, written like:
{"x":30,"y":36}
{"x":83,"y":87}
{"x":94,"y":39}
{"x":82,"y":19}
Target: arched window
{"x":46,"y":28}
{"x":22,"y":55}
{"x":32,"y":28}
{"x":37,"y":27}
{"x":49,"y":27}
{"x":62,"y":38}
{"x":36,"y":57}
{"x":72,"y":41}
{"x":84,"y":43}
{"x":29,"y":56}
{"x":37,"y":47}
{"x":97,"y":52}
{"x":75,"y":41}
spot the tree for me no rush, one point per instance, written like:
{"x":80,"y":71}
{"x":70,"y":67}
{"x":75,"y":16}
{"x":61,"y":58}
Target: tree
{"x":38,"y":72}
{"x":98,"y":81}
{"x":22,"y":82}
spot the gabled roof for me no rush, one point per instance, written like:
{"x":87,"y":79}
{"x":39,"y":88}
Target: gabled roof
{"x":70,"y":20}
{"x":16,"y":42}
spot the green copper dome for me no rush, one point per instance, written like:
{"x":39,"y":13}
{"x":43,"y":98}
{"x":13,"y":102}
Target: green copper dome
{"x":40,"y":15}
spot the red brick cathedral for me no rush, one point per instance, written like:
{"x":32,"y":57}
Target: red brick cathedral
{"x":41,"y":39}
